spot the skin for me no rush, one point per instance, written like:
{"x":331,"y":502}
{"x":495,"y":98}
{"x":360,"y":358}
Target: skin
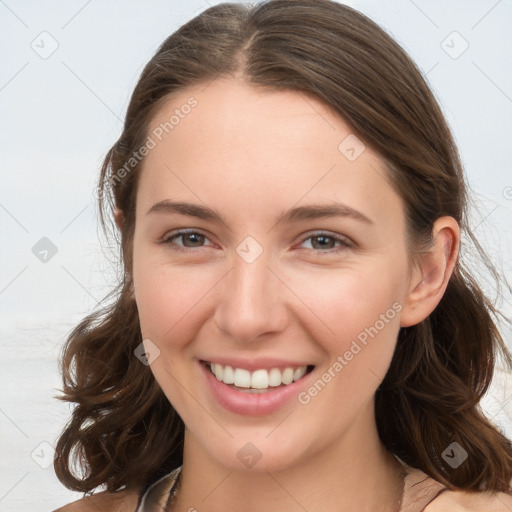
{"x":251,"y":155}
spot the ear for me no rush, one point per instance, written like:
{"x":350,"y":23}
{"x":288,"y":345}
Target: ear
{"x":430,"y":277}
{"x":119,"y":218}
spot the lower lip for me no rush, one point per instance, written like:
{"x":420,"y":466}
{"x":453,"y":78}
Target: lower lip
{"x":251,"y":404}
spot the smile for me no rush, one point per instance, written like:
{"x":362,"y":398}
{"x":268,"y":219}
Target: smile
{"x":259,"y":380}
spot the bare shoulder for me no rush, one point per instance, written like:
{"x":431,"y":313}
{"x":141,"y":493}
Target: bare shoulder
{"x":461,"y":501}
{"x":122,"y":501}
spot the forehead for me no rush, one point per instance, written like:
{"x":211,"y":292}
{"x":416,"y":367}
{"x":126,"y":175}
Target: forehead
{"x":259,"y":149}
{"x":244,"y":117}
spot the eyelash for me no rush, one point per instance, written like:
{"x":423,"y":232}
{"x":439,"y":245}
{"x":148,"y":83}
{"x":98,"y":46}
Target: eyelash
{"x":169,"y":241}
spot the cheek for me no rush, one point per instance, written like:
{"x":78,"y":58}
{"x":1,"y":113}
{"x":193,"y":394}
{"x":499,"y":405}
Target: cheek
{"x":171,"y":306}
{"x":365,"y":318}
{"x":169,"y":299}
{"x":350,"y":303}
{"x":360,"y":314}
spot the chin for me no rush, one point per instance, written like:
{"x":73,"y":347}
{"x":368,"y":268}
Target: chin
{"x":258,"y":455}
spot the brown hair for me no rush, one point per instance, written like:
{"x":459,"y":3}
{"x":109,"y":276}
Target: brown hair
{"x":123,"y":431}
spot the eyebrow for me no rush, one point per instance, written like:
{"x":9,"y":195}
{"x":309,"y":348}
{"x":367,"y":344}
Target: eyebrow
{"x":310,"y":212}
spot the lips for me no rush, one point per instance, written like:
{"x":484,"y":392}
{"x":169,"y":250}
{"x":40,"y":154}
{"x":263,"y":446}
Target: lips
{"x":254,"y":401}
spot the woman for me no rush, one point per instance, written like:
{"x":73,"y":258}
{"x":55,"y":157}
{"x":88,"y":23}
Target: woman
{"x":295,"y":328}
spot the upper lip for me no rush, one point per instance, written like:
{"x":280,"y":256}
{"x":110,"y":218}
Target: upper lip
{"x":253,"y":364}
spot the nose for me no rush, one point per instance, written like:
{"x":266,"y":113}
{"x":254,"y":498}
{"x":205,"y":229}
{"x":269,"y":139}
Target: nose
{"x":252,"y":300}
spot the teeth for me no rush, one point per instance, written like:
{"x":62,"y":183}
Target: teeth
{"x":274,"y":377}
{"x":259,"y":379}
{"x":242,"y":378}
{"x":287,"y":377}
{"x":229,"y":375}
{"x":299,"y":372}
{"x":218,"y":371}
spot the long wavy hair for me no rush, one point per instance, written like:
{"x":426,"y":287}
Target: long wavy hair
{"x":123,"y":432}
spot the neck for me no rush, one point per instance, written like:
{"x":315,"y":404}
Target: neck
{"x":355,"y":473}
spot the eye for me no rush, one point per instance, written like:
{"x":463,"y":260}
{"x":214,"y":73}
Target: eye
{"x":191,"y":239}
{"x":325,"y":242}
{"x":320,"y":242}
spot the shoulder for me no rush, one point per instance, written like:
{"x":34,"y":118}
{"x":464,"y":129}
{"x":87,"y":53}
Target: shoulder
{"x":422,"y":492}
{"x":122,"y":501}
{"x":462,"y":501}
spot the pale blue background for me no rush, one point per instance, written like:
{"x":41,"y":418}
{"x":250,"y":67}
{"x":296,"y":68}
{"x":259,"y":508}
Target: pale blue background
{"x":60,"y":115}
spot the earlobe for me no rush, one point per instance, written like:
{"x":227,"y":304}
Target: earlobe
{"x":433,"y":272}
{"x":119,"y":218}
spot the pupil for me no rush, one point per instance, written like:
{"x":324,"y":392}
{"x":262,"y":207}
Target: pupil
{"x":194,"y":235}
{"x":321,"y":237}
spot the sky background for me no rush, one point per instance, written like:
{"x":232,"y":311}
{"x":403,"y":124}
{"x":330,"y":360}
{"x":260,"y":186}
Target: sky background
{"x":67,"y":73}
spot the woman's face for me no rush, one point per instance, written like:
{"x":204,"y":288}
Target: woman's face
{"x":263,"y":281}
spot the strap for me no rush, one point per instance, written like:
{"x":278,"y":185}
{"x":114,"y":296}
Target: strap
{"x":155,"y":498}
{"x":419,"y":491}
